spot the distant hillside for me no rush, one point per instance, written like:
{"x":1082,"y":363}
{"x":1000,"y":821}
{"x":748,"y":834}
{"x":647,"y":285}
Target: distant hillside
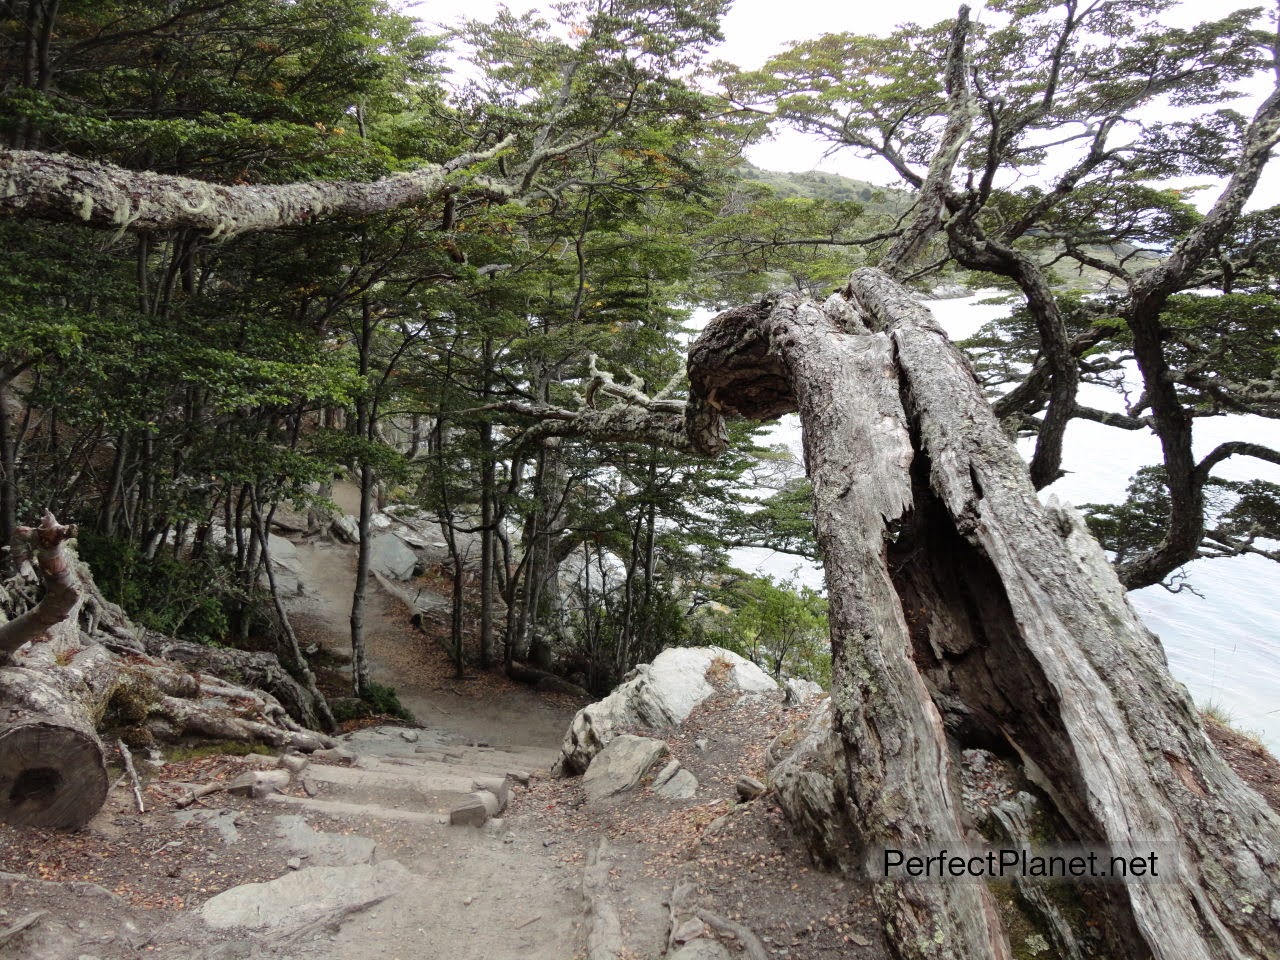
{"x":815,"y":185}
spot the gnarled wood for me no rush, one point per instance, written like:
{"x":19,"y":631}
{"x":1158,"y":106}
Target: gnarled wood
{"x":62,"y":187}
{"x":54,"y":695}
{"x":963,"y":613}
{"x":61,"y":586}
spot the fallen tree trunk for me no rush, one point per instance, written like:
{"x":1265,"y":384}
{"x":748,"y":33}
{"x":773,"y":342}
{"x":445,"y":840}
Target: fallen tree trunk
{"x":55,"y":694}
{"x":965,"y":614}
{"x":53,"y":770}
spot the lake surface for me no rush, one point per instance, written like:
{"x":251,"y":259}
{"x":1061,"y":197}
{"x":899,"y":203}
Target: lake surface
{"x":1223,"y":644}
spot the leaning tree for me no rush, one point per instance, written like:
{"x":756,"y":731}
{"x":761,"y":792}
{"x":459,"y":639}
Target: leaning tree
{"x":963,"y":611}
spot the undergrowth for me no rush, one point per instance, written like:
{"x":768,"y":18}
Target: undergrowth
{"x":378,"y":700}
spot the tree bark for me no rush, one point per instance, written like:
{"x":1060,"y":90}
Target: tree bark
{"x":964,"y":613}
{"x":53,"y":694}
{"x":66,"y":188}
{"x":62,"y":586}
{"x":53,"y":770}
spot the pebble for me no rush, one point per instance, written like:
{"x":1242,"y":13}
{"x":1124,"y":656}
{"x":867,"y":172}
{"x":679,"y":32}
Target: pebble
{"x":294,"y":863}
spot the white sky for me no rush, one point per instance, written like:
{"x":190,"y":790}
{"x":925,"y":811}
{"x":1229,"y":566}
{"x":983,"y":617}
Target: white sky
{"x":754,"y":30}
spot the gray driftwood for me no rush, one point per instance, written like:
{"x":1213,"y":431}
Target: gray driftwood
{"x":965,"y":613}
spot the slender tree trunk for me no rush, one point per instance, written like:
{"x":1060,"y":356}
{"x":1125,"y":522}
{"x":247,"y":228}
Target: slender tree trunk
{"x":487,"y":496}
{"x":108,"y":511}
{"x":8,"y":473}
{"x":322,"y":717}
{"x":360,"y":677}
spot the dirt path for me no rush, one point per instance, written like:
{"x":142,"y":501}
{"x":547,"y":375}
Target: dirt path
{"x":481,"y":708}
{"x":491,"y":893}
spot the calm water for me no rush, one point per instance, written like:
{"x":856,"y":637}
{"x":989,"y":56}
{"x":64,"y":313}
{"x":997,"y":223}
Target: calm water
{"x":1224,"y":644}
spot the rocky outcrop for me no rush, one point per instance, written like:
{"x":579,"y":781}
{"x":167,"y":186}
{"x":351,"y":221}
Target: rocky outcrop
{"x":809,"y":775}
{"x":657,"y":696}
{"x":620,"y":766}
{"x":304,"y":899}
{"x":799,"y":691}
{"x":391,"y":556}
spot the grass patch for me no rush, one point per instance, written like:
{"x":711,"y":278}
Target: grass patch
{"x":1216,"y":713}
{"x":219,"y":748}
{"x":378,"y":701}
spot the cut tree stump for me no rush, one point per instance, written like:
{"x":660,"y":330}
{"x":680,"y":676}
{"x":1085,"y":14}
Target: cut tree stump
{"x":53,"y":771}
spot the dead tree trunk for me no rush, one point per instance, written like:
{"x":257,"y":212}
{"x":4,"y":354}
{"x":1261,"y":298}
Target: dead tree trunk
{"x":52,"y":765}
{"x":53,"y":770}
{"x":57,"y":691}
{"x":62,"y":592}
{"x":963,"y":613}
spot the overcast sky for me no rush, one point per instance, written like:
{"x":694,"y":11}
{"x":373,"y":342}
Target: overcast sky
{"x":756,"y":29}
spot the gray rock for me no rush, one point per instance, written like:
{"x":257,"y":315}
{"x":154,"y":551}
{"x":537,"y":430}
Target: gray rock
{"x":475,"y":809}
{"x":409,"y":736}
{"x":691,"y":929}
{"x":657,"y":695}
{"x":749,"y":788}
{"x":521,"y":777}
{"x":224,"y":821}
{"x":666,"y":773}
{"x":497,"y":786}
{"x":333,"y":753}
{"x":683,"y":785}
{"x":346,"y":528}
{"x":285,"y":564}
{"x":798,"y":691}
{"x":620,"y":765}
{"x":809,"y":776}
{"x":320,"y":848}
{"x":259,"y":783}
{"x":391,"y":557}
{"x":304,"y":897}
{"x":701,"y":949}
{"x":295,"y":763}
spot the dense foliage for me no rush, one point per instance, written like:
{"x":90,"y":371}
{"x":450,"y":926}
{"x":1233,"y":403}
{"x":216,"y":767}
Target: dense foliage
{"x":171,"y":391}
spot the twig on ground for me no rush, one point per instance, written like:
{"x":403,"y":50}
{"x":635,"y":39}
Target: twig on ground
{"x":133,"y":776}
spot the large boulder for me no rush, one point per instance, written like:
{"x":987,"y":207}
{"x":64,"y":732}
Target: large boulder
{"x":620,"y":765}
{"x":286,"y":565}
{"x":657,"y":696}
{"x":391,"y":557}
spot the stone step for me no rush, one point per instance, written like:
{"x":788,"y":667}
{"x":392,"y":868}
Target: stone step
{"x":404,"y":788}
{"x":342,"y":810}
{"x":430,"y":769}
{"x":490,"y":761}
